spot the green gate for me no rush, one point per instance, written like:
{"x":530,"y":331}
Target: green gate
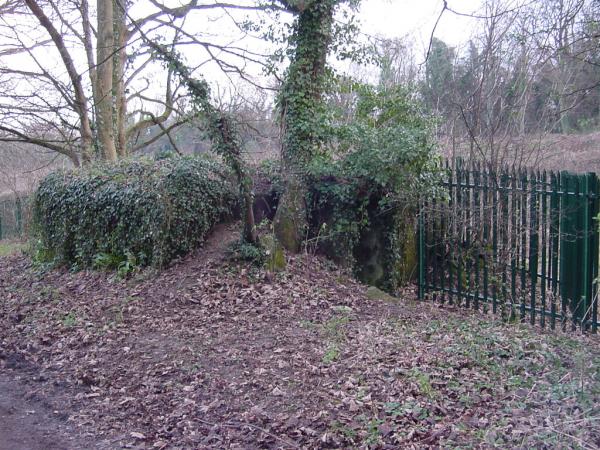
{"x":12,"y":216}
{"x":519,"y":243}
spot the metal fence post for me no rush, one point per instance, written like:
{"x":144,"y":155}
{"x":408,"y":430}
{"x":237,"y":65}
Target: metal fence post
{"x":586,"y":250}
{"x":19,"y":215}
{"x":593,"y":208}
{"x":421,"y":254}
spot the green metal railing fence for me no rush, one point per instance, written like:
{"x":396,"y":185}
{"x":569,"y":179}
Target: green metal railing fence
{"x":13,"y":216}
{"x":520,"y":243}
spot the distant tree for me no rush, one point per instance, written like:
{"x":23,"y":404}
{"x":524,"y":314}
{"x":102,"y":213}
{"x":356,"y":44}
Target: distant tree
{"x":397,"y":63}
{"x":529,"y":71}
{"x":439,"y":77}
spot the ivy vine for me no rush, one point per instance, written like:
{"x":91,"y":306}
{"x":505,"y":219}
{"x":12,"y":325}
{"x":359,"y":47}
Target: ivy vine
{"x":143,"y":210}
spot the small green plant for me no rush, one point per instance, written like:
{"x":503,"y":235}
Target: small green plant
{"x":244,"y":251}
{"x":125,"y":268}
{"x":344,"y":430}
{"x":373,"y":432}
{"x":331,"y":354}
{"x":334,"y":332}
{"x":424,"y":383}
{"x":69,"y":320}
{"x":106,"y":261}
{"x":334,"y":326}
{"x":124,"y":264}
{"x":41,"y":255}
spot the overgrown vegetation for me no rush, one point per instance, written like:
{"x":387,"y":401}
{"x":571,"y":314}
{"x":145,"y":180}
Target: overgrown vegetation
{"x":241,"y":250}
{"x":362,"y":191}
{"x":303,"y":113}
{"x":220,"y":129}
{"x":134,"y":213}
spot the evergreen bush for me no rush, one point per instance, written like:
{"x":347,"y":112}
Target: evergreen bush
{"x":142,"y":210}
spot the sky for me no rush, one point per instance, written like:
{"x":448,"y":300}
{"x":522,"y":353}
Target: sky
{"x":380,"y":18}
{"x":400,"y":18}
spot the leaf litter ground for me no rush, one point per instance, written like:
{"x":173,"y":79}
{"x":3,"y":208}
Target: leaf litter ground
{"x":210,"y":354}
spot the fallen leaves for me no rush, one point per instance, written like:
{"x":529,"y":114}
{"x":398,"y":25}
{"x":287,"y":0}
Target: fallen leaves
{"x":206,"y":355}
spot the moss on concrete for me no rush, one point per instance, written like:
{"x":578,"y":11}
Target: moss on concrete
{"x":370,"y":256}
{"x":407,"y":258}
{"x":276,"y":261}
{"x":374,"y":293}
{"x":386,"y":254}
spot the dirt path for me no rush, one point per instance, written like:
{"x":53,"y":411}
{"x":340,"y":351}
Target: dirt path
{"x":29,"y":425}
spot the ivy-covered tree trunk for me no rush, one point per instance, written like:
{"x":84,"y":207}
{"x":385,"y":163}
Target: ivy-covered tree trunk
{"x":302,"y":112}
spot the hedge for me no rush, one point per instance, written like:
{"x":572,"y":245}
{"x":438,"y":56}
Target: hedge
{"x":146,"y":211}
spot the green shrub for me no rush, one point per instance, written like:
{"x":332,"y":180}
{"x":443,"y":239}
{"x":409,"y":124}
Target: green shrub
{"x":363,"y":192}
{"x":147,"y":212}
{"x":245,"y":251}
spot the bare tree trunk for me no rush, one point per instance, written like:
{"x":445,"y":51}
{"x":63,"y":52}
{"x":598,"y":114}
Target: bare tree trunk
{"x":119,"y":60}
{"x":104,"y":101}
{"x":81,"y":102}
{"x":88,"y":44}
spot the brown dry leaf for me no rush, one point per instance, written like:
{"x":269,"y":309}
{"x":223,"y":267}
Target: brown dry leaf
{"x":242,"y":366}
